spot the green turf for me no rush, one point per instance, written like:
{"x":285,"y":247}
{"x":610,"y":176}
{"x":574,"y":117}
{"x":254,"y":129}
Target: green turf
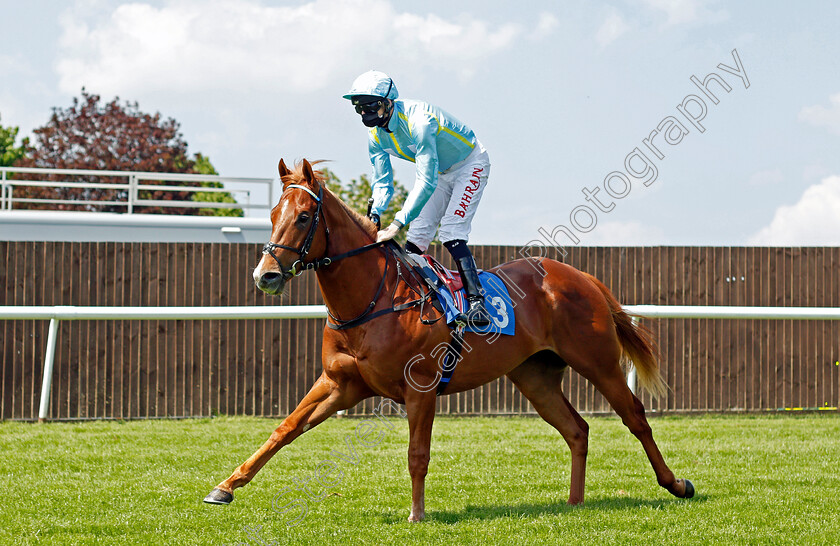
{"x":770,"y":479}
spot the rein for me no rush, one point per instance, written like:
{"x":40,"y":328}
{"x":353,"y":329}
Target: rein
{"x":366,"y":315}
{"x":299,"y":266}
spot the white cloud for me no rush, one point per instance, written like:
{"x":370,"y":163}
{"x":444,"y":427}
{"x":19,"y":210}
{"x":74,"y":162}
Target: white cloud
{"x":770,"y":177}
{"x":686,"y":11}
{"x":443,"y":38}
{"x":546,"y":24}
{"x":821,"y":116}
{"x":253,"y":79}
{"x":611,"y":29}
{"x":813,"y":220}
{"x":192,"y":46}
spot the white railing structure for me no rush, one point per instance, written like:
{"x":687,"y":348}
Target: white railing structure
{"x":725,"y":312}
{"x":132,"y":187}
{"x":58,"y":313}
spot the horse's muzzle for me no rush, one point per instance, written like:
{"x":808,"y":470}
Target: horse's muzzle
{"x":271,"y":282}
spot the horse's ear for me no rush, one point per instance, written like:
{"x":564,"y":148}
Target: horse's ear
{"x":308,"y":174}
{"x":282,"y":169}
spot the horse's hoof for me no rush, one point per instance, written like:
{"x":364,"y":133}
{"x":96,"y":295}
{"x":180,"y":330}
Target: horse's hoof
{"x":689,"y":490}
{"x":218,"y":496}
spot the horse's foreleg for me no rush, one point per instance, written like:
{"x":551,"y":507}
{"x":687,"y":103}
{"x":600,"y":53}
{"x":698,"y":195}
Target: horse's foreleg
{"x":323,"y":399}
{"x":420,"y":408}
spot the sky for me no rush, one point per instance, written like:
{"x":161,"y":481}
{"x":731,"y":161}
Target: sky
{"x":596,"y":132}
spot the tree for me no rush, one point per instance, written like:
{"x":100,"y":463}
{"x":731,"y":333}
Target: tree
{"x":203,"y":166}
{"x":112,"y":136}
{"x":357,"y":193}
{"x":9,"y":153}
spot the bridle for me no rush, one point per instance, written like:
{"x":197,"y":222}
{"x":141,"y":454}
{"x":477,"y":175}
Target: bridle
{"x":299,"y":266}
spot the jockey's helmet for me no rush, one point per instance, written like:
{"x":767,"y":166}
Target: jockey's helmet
{"x":374,"y":85}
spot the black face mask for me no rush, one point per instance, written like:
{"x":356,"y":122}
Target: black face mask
{"x":372,"y":119}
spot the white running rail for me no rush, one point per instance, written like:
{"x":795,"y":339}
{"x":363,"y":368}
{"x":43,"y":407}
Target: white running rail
{"x":59,"y":313}
{"x":132,"y":186}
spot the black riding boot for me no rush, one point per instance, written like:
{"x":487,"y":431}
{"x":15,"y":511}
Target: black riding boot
{"x":412,"y":248}
{"x":477,"y":314}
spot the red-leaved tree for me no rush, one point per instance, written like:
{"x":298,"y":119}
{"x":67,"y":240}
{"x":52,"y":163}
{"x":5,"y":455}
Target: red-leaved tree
{"x":113,"y":136}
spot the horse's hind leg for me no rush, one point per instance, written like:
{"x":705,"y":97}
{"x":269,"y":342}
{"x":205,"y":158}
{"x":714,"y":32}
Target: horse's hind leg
{"x":611,"y":383}
{"x":539,"y":378}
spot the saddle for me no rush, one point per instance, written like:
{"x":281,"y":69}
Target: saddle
{"x":449,"y":289}
{"x":439,"y":279}
{"x":451,"y":279}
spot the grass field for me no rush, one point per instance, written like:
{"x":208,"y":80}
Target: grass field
{"x":770,"y":479}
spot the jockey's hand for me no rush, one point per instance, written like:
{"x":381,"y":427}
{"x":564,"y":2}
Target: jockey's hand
{"x":389,"y":232}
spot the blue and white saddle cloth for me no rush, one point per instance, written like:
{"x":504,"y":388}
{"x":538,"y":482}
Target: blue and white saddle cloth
{"x":497,"y":300}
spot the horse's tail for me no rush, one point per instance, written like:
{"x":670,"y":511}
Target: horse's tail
{"x":637,"y":344}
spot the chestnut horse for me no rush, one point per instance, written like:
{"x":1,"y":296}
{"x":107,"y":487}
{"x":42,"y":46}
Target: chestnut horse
{"x":566,"y":319}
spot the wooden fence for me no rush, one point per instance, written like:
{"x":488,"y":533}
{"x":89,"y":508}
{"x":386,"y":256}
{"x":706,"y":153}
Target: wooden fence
{"x":139,"y":369}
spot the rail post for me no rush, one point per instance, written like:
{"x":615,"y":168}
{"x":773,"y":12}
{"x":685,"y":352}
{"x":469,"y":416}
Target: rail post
{"x":132,"y":192}
{"x":49,"y":360}
{"x":3,"y":190}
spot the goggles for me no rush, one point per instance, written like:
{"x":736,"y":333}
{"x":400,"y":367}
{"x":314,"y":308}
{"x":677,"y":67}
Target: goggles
{"x":369,"y":108}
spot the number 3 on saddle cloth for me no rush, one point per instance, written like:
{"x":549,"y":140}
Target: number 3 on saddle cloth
{"x":450,"y":293}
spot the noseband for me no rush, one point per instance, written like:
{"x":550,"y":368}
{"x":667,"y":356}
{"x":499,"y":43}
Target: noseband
{"x":299,"y":266}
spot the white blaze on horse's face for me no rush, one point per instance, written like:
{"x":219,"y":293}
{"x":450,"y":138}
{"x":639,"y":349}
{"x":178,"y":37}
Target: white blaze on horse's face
{"x":258,"y":271}
{"x":266,"y":262}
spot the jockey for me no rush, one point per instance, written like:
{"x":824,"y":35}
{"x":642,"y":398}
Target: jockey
{"x":452,"y":171}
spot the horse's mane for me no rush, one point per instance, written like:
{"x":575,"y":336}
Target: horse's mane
{"x":297,"y":177}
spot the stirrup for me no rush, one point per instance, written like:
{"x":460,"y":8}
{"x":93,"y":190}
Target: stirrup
{"x":477,"y":314}
{"x":461,"y":321}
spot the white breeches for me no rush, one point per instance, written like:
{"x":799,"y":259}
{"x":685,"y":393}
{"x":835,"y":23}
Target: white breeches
{"x":454,"y":201}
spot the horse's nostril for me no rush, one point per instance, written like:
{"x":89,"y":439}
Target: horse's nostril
{"x":270,"y":276}
{"x":271,"y":282}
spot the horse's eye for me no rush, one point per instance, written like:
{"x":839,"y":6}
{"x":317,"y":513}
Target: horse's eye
{"x":303,"y":218}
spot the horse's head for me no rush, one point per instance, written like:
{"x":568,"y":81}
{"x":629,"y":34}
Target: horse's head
{"x":295,"y":222}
